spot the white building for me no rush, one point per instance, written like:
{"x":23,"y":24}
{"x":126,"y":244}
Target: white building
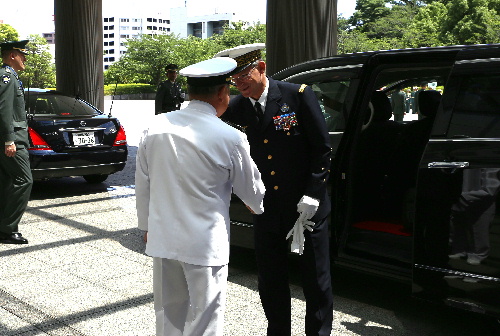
{"x":117,"y":29}
{"x":202,"y":26}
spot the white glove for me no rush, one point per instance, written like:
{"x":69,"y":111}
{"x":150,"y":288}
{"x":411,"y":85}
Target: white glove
{"x":298,"y":234}
{"x":307,"y":207}
{"x":298,"y":237}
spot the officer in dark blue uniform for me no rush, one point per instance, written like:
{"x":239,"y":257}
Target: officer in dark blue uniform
{"x":289,"y":142}
{"x":15,"y":174}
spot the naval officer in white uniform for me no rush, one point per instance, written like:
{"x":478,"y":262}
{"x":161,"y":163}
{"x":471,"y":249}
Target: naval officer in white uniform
{"x":188,"y":163}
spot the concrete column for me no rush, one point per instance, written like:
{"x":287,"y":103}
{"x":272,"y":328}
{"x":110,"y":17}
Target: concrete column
{"x":299,"y":31}
{"x":79,"y":49}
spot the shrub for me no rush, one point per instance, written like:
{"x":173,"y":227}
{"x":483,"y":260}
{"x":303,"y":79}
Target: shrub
{"x":122,"y":89}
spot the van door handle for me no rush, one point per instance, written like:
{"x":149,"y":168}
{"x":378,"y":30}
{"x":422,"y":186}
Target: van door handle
{"x":452,"y":165}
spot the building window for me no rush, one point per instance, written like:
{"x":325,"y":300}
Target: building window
{"x":106,"y":67}
{"x":105,"y":35}
{"x":112,"y":43}
{"x":167,"y":21}
{"x":124,"y":20}
{"x":124,"y":36}
{"x":111,"y":59}
{"x":105,"y":44}
{"x":150,"y":20}
{"x":112,"y":19}
{"x":111,"y":35}
{"x":111,"y":27}
{"x":111,"y":51}
{"x":106,"y":19}
{"x":124,"y":27}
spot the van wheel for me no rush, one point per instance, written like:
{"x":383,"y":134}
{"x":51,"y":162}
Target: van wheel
{"x":95,"y":178}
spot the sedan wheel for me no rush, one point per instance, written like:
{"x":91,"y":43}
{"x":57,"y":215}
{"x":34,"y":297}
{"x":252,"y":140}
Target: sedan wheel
{"x":95,"y":178}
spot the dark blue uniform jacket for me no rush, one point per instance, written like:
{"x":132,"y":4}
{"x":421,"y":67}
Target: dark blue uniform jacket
{"x":293,"y":162}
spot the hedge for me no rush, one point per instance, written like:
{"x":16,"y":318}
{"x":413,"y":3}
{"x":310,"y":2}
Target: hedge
{"x":122,"y":89}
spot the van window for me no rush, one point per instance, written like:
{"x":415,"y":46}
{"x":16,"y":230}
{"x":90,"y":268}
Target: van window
{"x":331,"y":97}
{"x":477,"y":110}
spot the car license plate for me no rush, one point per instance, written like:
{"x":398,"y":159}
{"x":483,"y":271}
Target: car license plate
{"x":83,"y":138}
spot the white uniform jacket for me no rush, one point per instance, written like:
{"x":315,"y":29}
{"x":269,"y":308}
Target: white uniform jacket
{"x":187,"y":164}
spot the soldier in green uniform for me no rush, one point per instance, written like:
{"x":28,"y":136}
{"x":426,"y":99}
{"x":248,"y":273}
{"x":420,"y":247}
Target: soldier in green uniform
{"x":15,"y":174}
{"x":169,"y":96}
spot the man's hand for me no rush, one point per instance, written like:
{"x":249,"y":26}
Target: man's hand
{"x":10,"y":150}
{"x":307,"y":207}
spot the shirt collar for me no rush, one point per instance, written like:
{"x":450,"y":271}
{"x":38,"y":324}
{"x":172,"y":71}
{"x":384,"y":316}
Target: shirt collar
{"x":263,"y":97}
{"x":202,"y":107}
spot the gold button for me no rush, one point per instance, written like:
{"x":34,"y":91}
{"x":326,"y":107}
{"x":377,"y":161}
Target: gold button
{"x":324,"y":180}
{"x":287,"y":133}
{"x":275,"y":187}
{"x":323,"y":168}
{"x":273,"y":172}
{"x":269,"y":157}
{"x":266,"y":141}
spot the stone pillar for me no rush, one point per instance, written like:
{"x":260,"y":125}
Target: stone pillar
{"x":79,"y":49}
{"x":299,"y":31}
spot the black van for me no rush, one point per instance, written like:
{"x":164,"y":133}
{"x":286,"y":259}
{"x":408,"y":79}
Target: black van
{"x":414,"y":200}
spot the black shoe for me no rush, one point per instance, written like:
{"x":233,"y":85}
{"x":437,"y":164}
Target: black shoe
{"x":13,"y":238}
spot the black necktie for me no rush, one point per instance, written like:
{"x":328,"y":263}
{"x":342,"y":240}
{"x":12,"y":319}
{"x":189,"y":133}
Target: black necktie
{"x":259,"y":113}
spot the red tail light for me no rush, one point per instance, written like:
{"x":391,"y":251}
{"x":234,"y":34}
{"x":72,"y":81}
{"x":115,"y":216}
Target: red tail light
{"x":37,"y":141}
{"x":121,"y":138}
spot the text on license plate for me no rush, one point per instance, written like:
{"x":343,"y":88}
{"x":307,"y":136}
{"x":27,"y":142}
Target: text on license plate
{"x":83,"y":138}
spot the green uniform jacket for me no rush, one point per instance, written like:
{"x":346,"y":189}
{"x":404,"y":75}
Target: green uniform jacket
{"x":13,"y":124}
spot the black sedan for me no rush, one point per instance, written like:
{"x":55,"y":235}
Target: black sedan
{"x":70,"y":137}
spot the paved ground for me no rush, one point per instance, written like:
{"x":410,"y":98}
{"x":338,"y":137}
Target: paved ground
{"x":85,"y":273}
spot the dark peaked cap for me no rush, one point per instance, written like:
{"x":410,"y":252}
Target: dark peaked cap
{"x":15,"y":45}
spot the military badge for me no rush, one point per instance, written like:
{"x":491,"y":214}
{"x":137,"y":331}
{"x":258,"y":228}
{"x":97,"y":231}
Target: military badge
{"x":285,"y":121}
{"x":5,"y":79}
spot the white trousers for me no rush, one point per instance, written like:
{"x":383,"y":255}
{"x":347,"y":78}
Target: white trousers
{"x":189,"y":300}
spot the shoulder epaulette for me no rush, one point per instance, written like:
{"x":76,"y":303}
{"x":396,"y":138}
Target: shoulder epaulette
{"x":302,"y":88}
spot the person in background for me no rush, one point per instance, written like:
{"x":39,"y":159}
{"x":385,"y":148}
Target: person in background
{"x":290,"y":144}
{"x":188,"y":164}
{"x":15,"y":173}
{"x":169,"y":96}
{"x":398,"y":104}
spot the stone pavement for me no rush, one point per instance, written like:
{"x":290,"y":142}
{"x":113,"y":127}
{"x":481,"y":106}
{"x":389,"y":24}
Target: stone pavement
{"x":85,"y":273}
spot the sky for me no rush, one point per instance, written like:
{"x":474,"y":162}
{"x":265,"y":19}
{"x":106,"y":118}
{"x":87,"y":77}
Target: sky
{"x":35,"y":16}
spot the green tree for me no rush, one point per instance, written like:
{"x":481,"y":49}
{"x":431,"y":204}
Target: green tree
{"x":368,"y":12}
{"x":40,"y":70}
{"x":147,"y":55}
{"x":471,"y":22}
{"x":8,"y":33}
{"x":444,"y":22}
{"x":144,"y":62}
{"x":239,"y":33}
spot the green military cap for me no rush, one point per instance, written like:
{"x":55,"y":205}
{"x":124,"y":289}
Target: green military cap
{"x":15,"y":45}
{"x":171,"y":67}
